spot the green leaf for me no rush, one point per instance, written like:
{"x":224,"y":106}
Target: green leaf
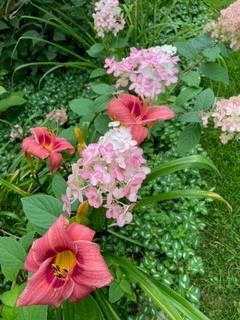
{"x":186,"y":49}
{"x":102,"y":88}
{"x":59,"y":185}
{"x":212,"y":53}
{"x":216,"y":72}
{"x":15,"y":99}
{"x":188,"y":117}
{"x":107,"y":309}
{"x":205,"y":99}
{"x":168,"y":300}
{"x":194,"y":161}
{"x":82,"y":106}
{"x":96,"y":73}
{"x":115,"y":292}
{"x":101,"y":123}
{"x":187,"y":94}
{"x":68,"y":134}
{"x":96,"y":50}
{"x":42,"y":211}
{"x":120,"y":43}
{"x":188,"y":139}
{"x":11,"y":312}
{"x":178,"y":194}
{"x":192,"y":78}
{"x":86,"y":308}
{"x":101,"y":102}
{"x":125,"y":286}
{"x":27,"y":239}
{"x":2,"y":90}
{"x":12,"y":256}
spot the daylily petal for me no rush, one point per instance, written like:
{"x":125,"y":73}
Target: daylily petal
{"x":133,"y":103}
{"x":79,"y":292}
{"x":62,"y":144}
{"x":158,"y":113}
{"x":139,"y":133}
{"x":78,"y":231}
{"x":58,"y":237}
{"x":40,"y":291}
{"x":30,"y":146}
{"x":31,"y":264}
{"x":118,"y":111}
{"x":91,"y":269}
{"x":42,"y":135}
{"x":55,"y":161}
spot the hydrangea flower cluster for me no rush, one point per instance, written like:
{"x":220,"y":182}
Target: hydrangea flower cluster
{"x":227,"y":27}
{"x":146,"y":71}
{"x":226,"y":116}
{"x":58,"y":115}
{"x":108,"y":17}
{"x":108,"y":171}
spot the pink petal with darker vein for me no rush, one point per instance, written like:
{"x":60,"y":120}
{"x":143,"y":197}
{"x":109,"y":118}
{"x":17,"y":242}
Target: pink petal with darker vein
{"x":139,"y":133}
{"x":40,"y":291}
{"x":91,"y":270}
{"x":30,"y":146}
{"x":62,"y":144}
{"x":79,"y":292}
{"x":158,"y":113}
{"x":78,"y":231}
{"x":55,"y":161}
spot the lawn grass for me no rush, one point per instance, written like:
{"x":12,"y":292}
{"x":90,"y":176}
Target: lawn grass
{"x":220,"y":285}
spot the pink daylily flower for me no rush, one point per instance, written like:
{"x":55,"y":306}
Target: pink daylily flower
{"x":66,"y":264}
{"x":132,"y":112}
{"x":44,"y":144}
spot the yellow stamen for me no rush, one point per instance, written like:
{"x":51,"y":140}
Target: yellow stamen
{"x":64,"y":262}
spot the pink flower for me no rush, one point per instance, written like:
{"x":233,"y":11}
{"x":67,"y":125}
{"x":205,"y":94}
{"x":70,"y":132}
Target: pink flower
{"x":227,"y":26}
{"x":146,"y":71}
{"x":108,"y":171}
{"x":44,"y":144}
{"x":66,"y":264}
{"x":135,"y":113}
{"x":58,"y":115}
{"x":94,"y":197}
{"x":108,"y":17}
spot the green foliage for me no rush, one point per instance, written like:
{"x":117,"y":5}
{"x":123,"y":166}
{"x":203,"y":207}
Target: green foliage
{"x":41,"y":211}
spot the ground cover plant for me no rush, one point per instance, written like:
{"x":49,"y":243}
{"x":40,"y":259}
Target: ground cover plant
{"x":116,"y":156}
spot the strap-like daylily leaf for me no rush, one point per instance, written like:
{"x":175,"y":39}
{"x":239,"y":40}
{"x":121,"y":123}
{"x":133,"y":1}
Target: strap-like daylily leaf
{"x":194,"y":161}
{"x":175,"y":306}
{"x":107,"y":308}
{"x":177,"y":194}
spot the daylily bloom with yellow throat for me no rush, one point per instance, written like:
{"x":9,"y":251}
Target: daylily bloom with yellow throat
{"x":44,"y":144}
{"x":66,"y":264}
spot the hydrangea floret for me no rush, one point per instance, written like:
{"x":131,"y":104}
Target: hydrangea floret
{"x":108,"y":17}
{"x":58,"y":115}
{"x":227,"y":26}
{"x":226,"y":116}
{"x":109,"y":174}
{"x":146,"y":71}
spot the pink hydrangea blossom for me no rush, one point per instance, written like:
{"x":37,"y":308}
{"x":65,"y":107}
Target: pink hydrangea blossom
{"x":108,"y":17}
{"x":146,"y":71}
{"x":227,"y":26}
{"x":58,"y":115}
{"x":107,"y":172}
{"x":226,"y":116}
{"x":65,"y":264}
